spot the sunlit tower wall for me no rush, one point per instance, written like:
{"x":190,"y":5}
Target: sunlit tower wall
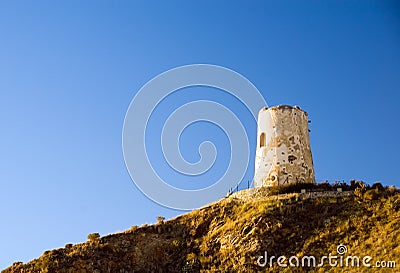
{"x":283,"y":153}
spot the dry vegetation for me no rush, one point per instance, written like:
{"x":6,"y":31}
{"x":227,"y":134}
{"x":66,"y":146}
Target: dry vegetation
{"x":229,"y":236}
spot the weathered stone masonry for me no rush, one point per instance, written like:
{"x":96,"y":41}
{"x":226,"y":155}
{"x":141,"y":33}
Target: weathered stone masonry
{"x":283,"y":153}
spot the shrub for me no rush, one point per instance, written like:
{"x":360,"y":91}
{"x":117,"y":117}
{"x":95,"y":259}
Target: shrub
{"x":360,"y":189}
{"x":192,"y":264}
{"x":291,"y":188}
{"x":393,"y":203}
{"x":372,"y":194}
{"x":134,"y":228}
{"x":93,"y":237}
{"x":377,"y":186}
{"x":179,"y":244}
{"x":160,"y":219}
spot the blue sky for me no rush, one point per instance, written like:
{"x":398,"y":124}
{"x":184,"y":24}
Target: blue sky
{"x":68,"y":71}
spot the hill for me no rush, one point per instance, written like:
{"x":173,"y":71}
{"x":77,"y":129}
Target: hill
{"x":237,"y":233}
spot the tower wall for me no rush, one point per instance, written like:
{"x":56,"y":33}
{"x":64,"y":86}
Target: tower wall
{"x":283,"y":153}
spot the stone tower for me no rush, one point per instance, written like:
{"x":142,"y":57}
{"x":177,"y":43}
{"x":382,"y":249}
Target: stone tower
{"x":283,"y":152}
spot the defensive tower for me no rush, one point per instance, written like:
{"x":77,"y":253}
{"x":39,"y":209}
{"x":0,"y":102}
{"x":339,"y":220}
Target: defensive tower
{"x":283,"y":152}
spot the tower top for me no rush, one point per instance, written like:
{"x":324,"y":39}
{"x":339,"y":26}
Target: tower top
{"x":282,"y":107}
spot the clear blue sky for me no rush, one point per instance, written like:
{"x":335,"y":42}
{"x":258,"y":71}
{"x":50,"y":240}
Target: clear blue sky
{"x":68,"y":71}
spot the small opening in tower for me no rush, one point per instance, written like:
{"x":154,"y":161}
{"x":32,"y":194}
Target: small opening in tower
{"x":262,"y":140}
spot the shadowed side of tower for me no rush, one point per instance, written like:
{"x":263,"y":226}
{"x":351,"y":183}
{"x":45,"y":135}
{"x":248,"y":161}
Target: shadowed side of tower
{"x":283,"y":153}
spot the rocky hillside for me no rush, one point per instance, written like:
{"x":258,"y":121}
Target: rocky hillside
{"x":230,"y":236}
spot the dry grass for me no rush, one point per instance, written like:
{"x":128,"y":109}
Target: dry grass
{"x":229,"y":235}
